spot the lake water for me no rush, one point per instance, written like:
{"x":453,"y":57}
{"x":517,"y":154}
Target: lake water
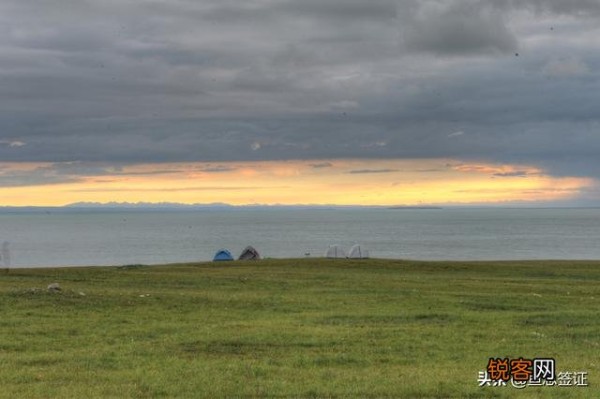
{"x":149,"y":237}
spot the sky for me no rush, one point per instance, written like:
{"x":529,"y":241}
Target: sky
{"x":380,"y":102}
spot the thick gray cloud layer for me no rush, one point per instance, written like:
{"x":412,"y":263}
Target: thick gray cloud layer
{"x":156,"y":81}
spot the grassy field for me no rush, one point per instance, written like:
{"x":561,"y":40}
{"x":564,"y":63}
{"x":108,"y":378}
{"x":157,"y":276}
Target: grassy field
{"x":295,"y":328}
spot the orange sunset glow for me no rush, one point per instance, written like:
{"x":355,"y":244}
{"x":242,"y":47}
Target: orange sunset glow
{"x":339,"y":182}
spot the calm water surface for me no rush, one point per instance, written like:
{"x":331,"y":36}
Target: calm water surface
{"x":126,"y":237}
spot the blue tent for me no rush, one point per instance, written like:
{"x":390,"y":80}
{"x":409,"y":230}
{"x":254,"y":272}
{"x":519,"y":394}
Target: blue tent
{"x":222,"y":254}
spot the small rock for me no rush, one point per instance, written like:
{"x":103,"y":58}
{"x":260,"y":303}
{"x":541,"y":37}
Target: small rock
{"x":54,"y":287}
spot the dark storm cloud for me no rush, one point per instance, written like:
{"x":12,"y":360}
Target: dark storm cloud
{"x":68,"y":172}
{"x":342,"y":10}
{"x":116,"y":83}
{"x":34,"y":177}
{"x":581,"y":8}
{"x":461,"y":28}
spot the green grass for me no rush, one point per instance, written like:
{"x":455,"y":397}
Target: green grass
{"x":295,"y":328}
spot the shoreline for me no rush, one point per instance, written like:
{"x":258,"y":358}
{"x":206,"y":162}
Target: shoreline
{"x":307,"y":260}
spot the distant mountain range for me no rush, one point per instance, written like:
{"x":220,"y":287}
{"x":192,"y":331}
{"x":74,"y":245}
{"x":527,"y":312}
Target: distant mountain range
{"x":145,"y":205}
{"x":174,"y":206}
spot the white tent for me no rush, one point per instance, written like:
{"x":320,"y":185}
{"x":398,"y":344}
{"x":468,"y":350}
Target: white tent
{"x":335,"y":251}
{"x":358,"y":252}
